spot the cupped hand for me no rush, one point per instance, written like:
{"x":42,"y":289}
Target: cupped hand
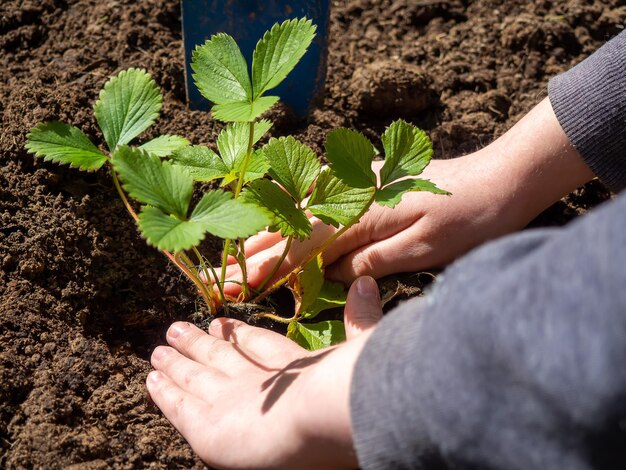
{"x":423,"y":231}
{"x":495,"y":191}
{"x":245,"y":397}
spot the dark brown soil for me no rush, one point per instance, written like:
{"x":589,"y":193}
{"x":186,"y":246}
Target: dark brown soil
{"x":84,"y":300}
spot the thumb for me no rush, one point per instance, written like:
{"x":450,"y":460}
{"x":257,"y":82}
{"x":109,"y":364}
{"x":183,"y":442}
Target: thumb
{"x":363,"y":308}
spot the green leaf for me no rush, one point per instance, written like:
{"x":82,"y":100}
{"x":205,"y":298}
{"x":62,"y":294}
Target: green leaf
{"x":391,"y":195}
{"x":315,"y":336}
{"x":407,"y":152}
{"x":167,"y":232}
{"x":154,"y":182}
{"x":61,"y":143}
{"x":221,"y":72}
{"x":233,"y":140}
{"x":128,"y":104}
{"x":164,"y":145}
{"x":225,"y":217}
{"x":287,"y":217}
{"x":243,"y":111}
{"x":202,"y":163}
{"x":278,"y":53}
{"x":258,"y":167}
{"x":350,"y":154}
{"x":331,"y":295}
{"x":308,"y":284}
{"x":335,"y":203}
{"x":293,"y":165}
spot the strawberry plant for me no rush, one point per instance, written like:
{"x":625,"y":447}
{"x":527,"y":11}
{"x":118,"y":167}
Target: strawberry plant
{"x":257,"y":188}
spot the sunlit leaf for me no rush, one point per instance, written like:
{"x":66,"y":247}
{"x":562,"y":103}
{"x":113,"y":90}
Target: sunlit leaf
{"x":221,"y":72}
{"x":350,"y":154}
{"x":225,"y":217}
{"x":407,"y":152}
{"x":61,"y":143}
{"x":391,"y":195}
{"x":233,"y":141}
{"x":287,"y":217}
{"x":167,"y":232}
{"x":164,"y":145}
{"x":153,"y":181}
{"x":128,"y":104}
{"x":307,"y":284}
{"x":202,"y":163}
{"x":293,"y":165}
{"x":314,"y":336}
{"x":331,"y":295}
{"x":243,"y":111}
{"x":336,"y":203}
{"x":278,"y":53}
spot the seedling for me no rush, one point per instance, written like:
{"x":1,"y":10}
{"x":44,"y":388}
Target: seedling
{"x":260,"y":188}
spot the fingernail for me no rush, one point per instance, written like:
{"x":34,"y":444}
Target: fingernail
{"x":215,"y":325}
{"x":153,"y":377}
{"x":367,"y":287}
{"x":177,"y":329}
{"x":159,"y":352}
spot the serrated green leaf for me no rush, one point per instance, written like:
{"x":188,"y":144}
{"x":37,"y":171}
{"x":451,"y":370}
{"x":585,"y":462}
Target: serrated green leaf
{"x":407,"y":152}
{"x":233,"y":141}
{"x":308,"y":284}
{"x":221,"y":72}
{"x":278,"y":52}
{"x":65,"y":144}
{"x":202,"y":163}
{"x":350,"y":154}
{"x":154,"y":182}
{"x":225,"y":217}
{"x":243,"y":111}
{"x":335,"y":203}
{"x":294,"y":165}
{"x":258,"y":167}
{"x":167,"y":232}
{"x":287,"y":217}
{"x":391,"y":195}
{"x":128,"y":104}
{"x":331,"y":295}
{"x":314,"y":336}
{"x":164,"y":145}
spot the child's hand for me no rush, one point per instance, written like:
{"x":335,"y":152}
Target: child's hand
{"x":246,"y":397}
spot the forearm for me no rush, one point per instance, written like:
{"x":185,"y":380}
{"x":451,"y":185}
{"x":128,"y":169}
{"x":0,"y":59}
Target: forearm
{"x":323,"y":408}
{"x":530,"y":167}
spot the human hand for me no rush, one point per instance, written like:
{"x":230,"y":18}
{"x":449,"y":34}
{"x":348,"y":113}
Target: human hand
{"x":495,"y":191}
{"x":246,"y":397}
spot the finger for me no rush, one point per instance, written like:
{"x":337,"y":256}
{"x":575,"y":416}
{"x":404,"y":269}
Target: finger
{"x":259,"y":342}
{"x":408,"y":250}
{"x":187,"y":413}
{"x":363,"y":307}
{"x":195,"y":344}
{"x":260,"y":265}
{"x":261,"y":241}
{"x":190,"y":376}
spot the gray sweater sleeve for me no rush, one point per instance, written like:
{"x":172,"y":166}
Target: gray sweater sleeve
{"x":517,"y":358}
{"x":590,"y":103}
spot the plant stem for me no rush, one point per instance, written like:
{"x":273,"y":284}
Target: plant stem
{"x":238,"y":187}
{"x":278,"y":263}
{"x":201,"y":286}
{"x":245,"y":289}
{"x":204,"y":263}
{"x":276,"y":318}
{"x":313,"y":254}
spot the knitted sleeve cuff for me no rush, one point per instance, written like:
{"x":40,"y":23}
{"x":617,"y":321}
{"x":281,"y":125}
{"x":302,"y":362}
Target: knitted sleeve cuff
{"x":589,"y":101}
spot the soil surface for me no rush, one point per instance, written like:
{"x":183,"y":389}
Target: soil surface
{"x":84,"y":300}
